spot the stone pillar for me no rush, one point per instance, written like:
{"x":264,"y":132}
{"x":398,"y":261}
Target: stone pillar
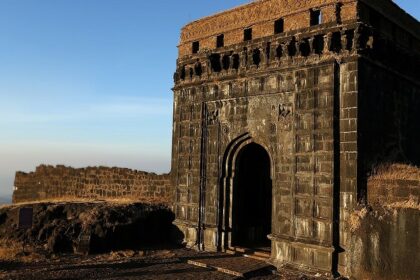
{"x":297,"y":46}
{"x":250,"y":59}
{"x":263,"y":56}
{"x":208,"y":63}
{"x":344,"y":40}
{"x":285,"y":51}
{"x":348,"y":126}
{"x":273,"y":51}
{"x":311,"y":45}
{"x":327,"y":42}
{"x":243,"y":56}
{"x":221,"y":62}
{"x":231,"y":62}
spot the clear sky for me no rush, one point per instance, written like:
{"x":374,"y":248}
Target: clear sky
{"x":88,"y":82}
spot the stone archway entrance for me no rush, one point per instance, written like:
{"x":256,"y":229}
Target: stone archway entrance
{"x":251,"y":198}
{"x":245,"y":197}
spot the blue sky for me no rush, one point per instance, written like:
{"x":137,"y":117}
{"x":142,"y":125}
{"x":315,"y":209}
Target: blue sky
{"x":88,"y":82}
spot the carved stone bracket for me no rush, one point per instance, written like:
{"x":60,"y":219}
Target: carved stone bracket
{"x":213,"y":117}
{"x":284,"y":111}
{"x":282,"y":114}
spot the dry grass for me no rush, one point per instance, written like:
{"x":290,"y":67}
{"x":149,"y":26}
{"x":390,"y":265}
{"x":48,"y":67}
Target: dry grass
{"x":391,"y":184}
{"x":396,"y":171}
{"x":115,"y":201}
{"x":356,"y":218}
{"x":11,"y":250}
{"x":412,"y":203}
{"x":5,"y":206}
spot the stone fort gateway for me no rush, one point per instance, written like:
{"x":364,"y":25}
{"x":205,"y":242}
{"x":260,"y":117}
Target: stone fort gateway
{"x":282,"y":110}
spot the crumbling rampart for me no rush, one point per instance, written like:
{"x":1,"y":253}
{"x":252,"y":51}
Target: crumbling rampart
{"x":92,"y":183}
{"x":384,"y":233}
{"x":394,"y":184}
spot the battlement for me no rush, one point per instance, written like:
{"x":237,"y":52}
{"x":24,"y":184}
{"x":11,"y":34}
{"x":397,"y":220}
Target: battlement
{"x":264,"y":18}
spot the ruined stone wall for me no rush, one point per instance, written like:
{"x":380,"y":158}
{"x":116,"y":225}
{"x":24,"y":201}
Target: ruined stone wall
{"x":384,"y":234}
{"x":393,"y":184}
{"x":384,"y":244}
{"x":92,"y":183}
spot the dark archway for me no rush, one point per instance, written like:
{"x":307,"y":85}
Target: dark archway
{"x":252,"y":198}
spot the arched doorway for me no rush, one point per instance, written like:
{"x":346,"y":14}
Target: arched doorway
{"x":251,"y":198}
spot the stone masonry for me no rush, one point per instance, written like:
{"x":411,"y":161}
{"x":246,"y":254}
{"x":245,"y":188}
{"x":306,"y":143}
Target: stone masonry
{"x":93,"y":183}
{"x":310,"y":94}
{"x":282,"y":110}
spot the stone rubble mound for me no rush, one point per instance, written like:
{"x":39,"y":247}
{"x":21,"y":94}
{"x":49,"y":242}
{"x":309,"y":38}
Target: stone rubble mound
{"x":90,"y":227}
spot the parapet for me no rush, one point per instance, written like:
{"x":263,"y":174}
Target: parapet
{"x":64,"y":183}
{"x":264,"y":18}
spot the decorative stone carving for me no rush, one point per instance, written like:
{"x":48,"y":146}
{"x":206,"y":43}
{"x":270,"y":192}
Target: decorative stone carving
{"x":213,"y":117}
{"x":284,"y":111}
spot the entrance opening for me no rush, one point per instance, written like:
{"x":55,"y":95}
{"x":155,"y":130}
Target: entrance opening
{"x":251,"y":205}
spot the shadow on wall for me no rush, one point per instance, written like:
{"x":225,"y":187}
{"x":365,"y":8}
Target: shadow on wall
{"x":388,"y":121}
{"x":155,"y":231}
{"x":384,"y":245}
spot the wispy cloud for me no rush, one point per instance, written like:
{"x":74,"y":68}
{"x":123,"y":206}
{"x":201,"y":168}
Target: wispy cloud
{"x":116,"y":109}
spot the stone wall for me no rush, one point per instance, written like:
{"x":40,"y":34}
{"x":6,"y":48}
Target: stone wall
{"x":394,"y":184}
{"x":327,"y":101}
{"x":385,"y":245}
{"x":384,"y":235}
{"x":92,"y":183}
{"x":296,"y":96}
{"x":260,"y":16}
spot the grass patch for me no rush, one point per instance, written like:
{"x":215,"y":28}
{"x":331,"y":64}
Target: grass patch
{"x":396,"y":171}
{"x":112,"y":201}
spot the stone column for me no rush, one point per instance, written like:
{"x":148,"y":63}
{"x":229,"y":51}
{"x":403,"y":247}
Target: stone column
{"x":273,"y":51}
{"x":355,"y":39}
{"x":208,"y":63}
{"x":221,"y":62}
{"x":285,"y":51}
{"x":344,"y":40}
{"x":243,"y":58}
{"x":263,"y":56}
{"x":311,"y":45}
{"x":297,"y":46}
{"x":327,"y":42}
{"x":250,"y":60}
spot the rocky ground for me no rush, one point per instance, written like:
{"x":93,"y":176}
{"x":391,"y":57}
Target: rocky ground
{"x":161,"y":264}
{"x":103,"y":240}
{"x":88,"y":227}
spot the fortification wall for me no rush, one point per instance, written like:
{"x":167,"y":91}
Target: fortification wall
{"x":384,"y":243}
{"x":384,"y":235}
{"x":92,"y":183}
{"x":260,"y":16}
{"x":394,"y":184}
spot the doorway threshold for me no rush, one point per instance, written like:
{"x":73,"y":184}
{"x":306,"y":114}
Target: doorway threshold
{"x":258,"y":253}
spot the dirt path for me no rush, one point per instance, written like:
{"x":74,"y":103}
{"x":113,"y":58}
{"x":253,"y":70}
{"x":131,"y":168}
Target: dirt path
{"x":164,"y":264}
